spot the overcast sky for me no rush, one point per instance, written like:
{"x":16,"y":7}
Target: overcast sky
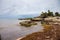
{"x":20,"y":7}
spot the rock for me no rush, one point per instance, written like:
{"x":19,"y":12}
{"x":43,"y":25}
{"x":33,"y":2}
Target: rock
{"x":27,"y":23}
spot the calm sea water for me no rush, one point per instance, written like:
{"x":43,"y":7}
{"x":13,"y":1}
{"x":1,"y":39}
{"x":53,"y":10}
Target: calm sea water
{"x":11,"y":30}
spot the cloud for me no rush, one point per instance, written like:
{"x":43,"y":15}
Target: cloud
{"x":20,"y":7}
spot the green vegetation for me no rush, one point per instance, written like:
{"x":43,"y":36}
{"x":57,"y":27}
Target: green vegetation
{"x":39,"y":18}
{"x":50,"y":32}
{"x":46,"y":14}
{"x":57,"y":14}
{"x":25,"y":19}
{"x":36,"y":19}
{"x":50,"y":13}
{"x":27,"y":23}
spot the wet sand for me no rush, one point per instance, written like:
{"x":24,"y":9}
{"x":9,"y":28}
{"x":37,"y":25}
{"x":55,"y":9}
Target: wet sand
{"x":11,"y":30}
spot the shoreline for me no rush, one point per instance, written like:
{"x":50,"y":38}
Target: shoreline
{"x":43,"y":34}
{"x":11,"y":30}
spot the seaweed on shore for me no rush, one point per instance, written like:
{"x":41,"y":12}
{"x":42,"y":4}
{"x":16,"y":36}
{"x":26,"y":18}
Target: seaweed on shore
{"x":48,"y":34}
{"x":27,"y":23}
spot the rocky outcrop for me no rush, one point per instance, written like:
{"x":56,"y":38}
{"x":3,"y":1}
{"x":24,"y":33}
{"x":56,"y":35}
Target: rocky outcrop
{"x":27,"y":23}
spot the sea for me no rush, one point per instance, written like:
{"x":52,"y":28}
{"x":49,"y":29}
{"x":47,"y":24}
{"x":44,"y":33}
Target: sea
{"x":10,"y":29}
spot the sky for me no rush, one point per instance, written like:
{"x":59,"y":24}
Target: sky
{"x":26,"y":7}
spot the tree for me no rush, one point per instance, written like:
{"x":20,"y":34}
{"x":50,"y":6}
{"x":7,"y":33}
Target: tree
{"x":44,"y":15}
{"x":57,"y":14}
{"x":50,"y":13}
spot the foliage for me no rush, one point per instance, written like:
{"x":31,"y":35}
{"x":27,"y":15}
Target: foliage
{"x":50,"y":13}
{"x":57,"y":14}
{"x":44,"y":15}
